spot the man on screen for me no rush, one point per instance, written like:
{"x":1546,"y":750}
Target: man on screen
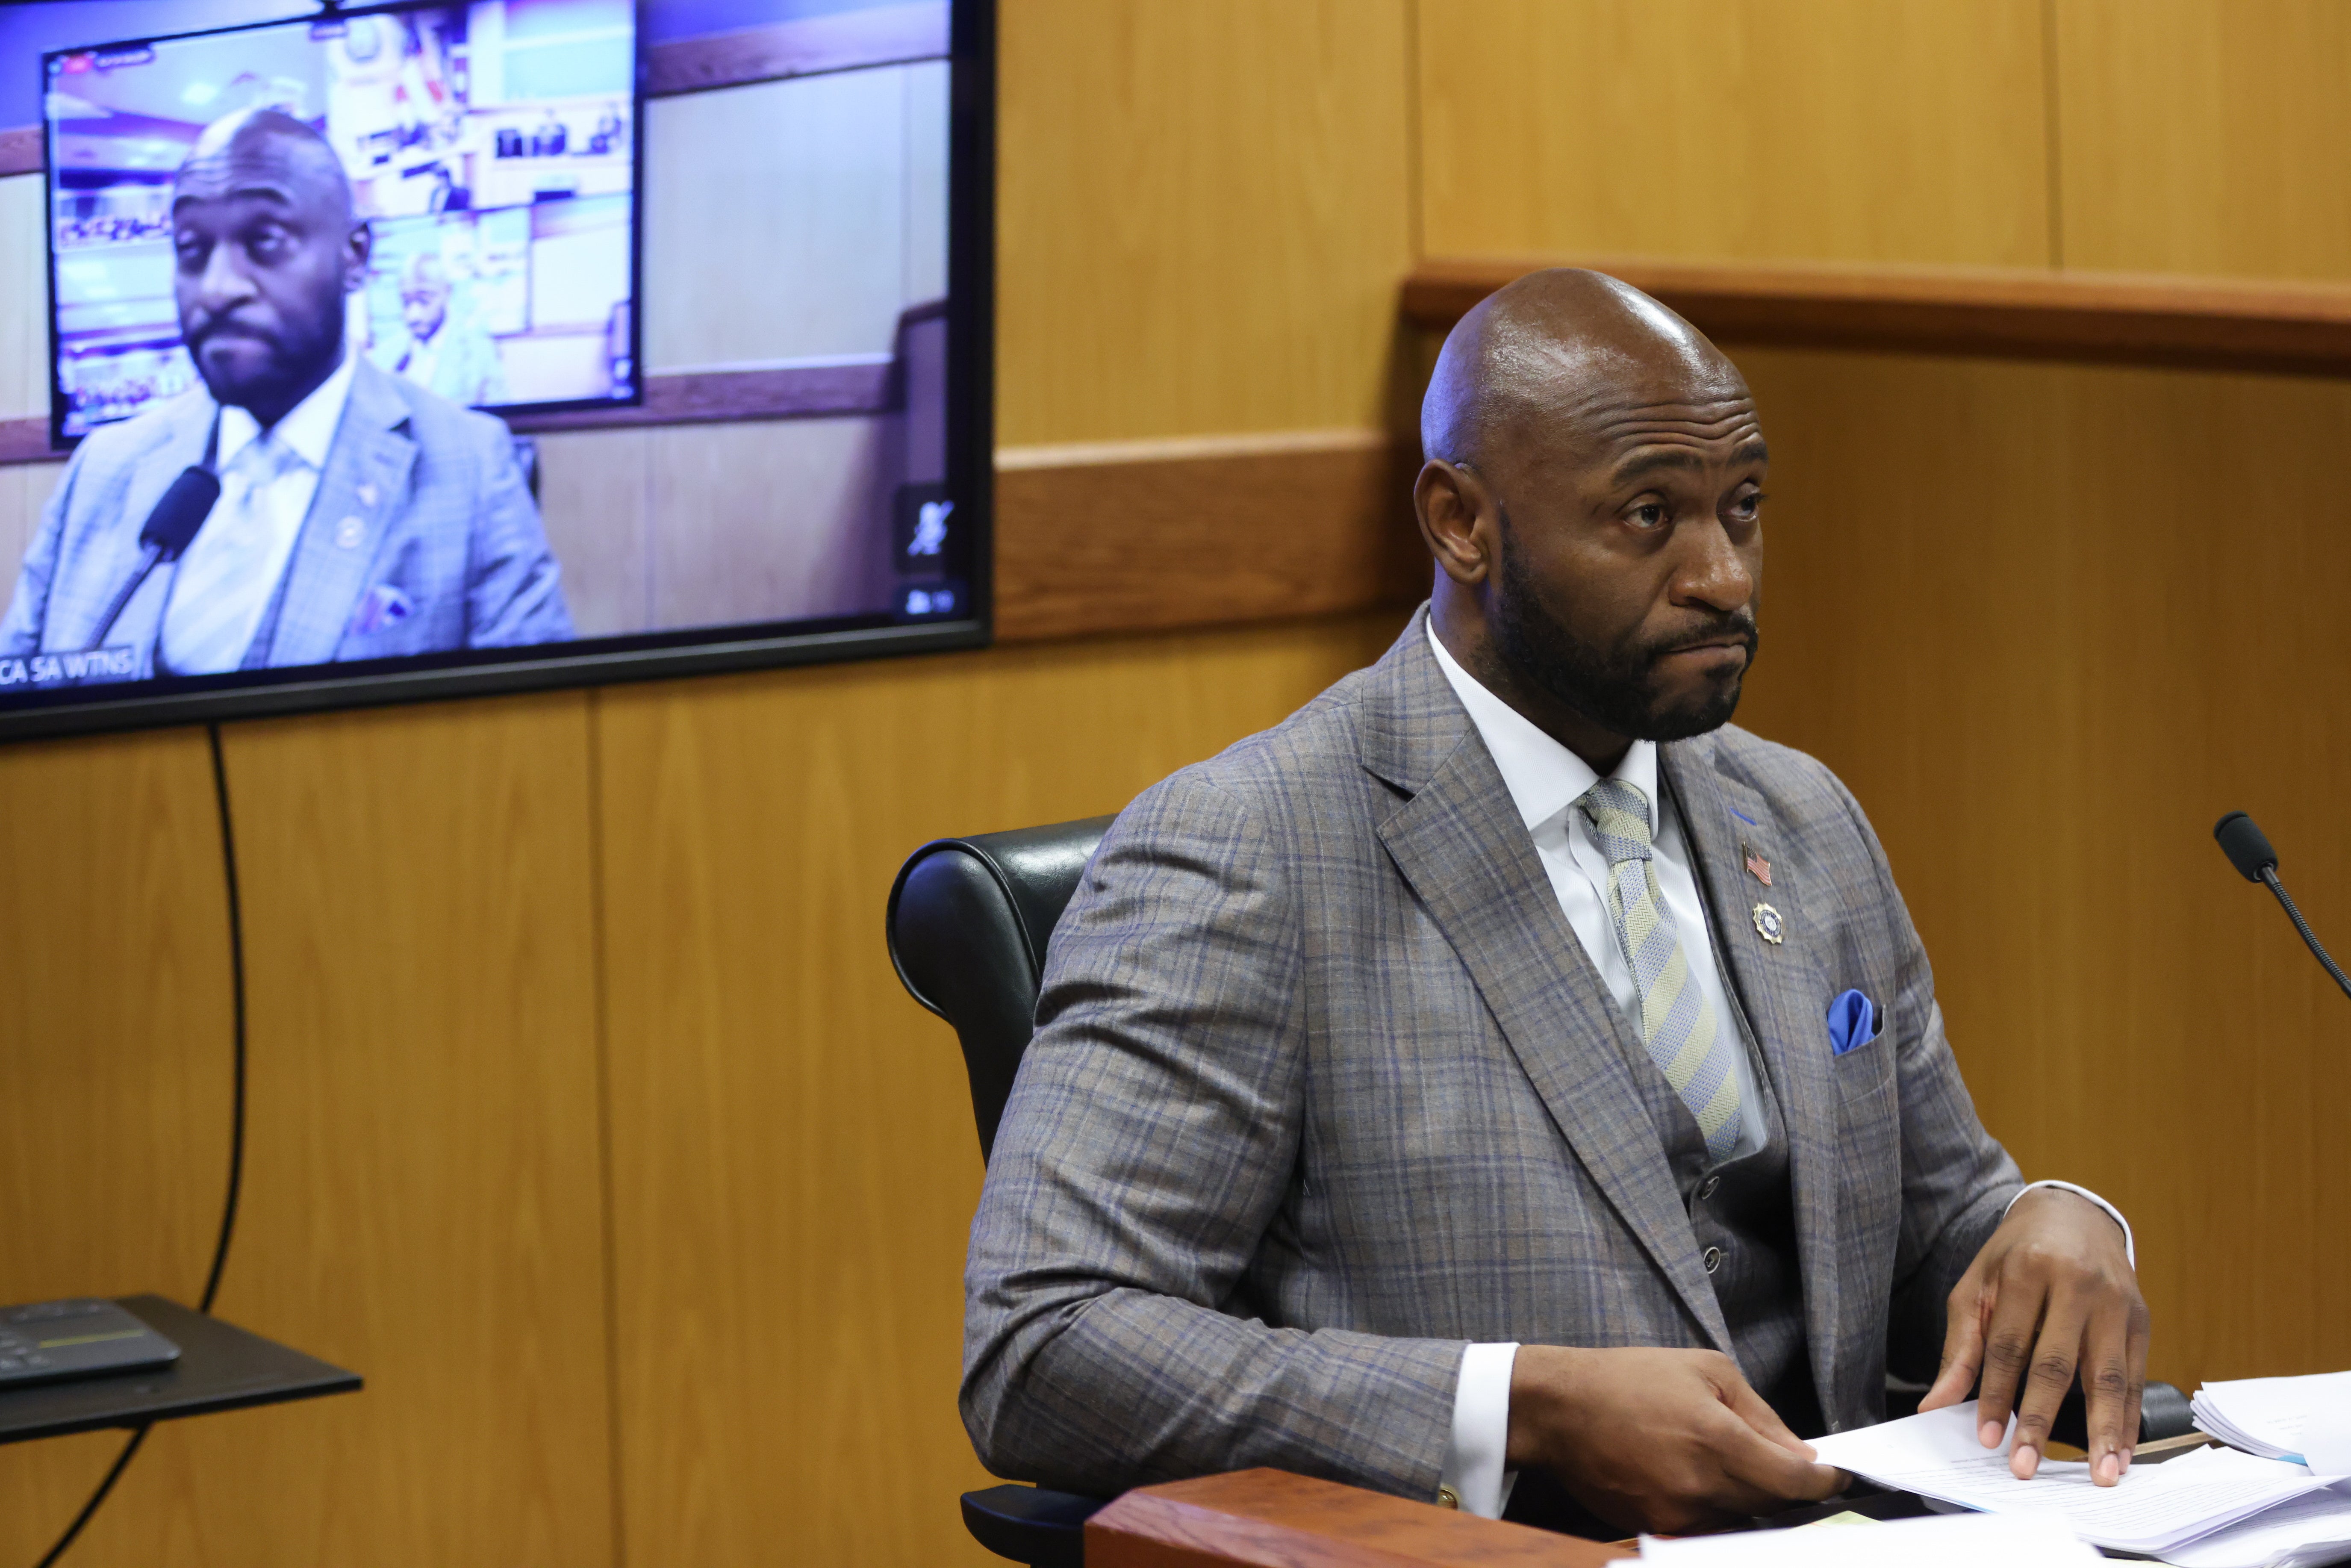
{"x":445,"y":348}
{"x":360,"y":516}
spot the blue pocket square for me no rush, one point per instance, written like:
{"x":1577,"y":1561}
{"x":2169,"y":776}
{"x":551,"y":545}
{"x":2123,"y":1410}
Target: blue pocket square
{"x":382,"y":608}
{"x":1853,"y":1022}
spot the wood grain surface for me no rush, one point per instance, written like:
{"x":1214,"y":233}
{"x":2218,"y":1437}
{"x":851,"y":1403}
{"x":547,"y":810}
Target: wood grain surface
{"x":793,"y":1160}
{"x":1313,"y":523}
{"x":1203,"y":209}
{"x":1275,"y":1519}
{"x":1834,"y":130}
{"x":423,"y":1173}
{"x":116,"y":1030}
{"x":2003,"y":312}
{"x":2049,"y":623}
{"x":2204,"y":136}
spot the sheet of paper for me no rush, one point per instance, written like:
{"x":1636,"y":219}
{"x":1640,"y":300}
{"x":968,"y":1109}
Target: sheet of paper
{"x":2154,"y":1508}
{"x":2307,"y":1532}
{"x":2283,"y":1415}
{"x":1958,"y":1541}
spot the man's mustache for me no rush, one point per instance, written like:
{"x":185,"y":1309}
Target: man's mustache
{"x":1739,"y":628}
{"x":204,"y":330}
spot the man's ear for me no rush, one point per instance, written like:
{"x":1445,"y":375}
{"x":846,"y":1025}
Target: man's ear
{"x":1456,"y":516}
{"x":357,"y":249}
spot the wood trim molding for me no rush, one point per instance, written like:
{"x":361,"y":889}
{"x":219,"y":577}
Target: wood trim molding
{"x":23,"y":150}
{"x":711,"y":397}
{"x":1144,"y":535}
{"x":27,"y":441}
{"x":2213,"y":324}
{"x":1271,"y":1519}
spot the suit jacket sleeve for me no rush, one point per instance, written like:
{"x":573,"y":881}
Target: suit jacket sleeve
{"x":20,"y":633}
{"x":1151,"y":1137}
{"x":514,"y":588}
{"x":1957,"y":1180}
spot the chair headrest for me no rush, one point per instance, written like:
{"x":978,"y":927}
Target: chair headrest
{"x":970,"y":922}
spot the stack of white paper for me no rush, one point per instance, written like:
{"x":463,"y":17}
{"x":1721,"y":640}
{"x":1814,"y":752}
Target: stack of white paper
{"x":2304,"y":1419}
{"x":1962,"y":1540}
{"x":2152,"y":1511}
{"x":2309,"y":1533}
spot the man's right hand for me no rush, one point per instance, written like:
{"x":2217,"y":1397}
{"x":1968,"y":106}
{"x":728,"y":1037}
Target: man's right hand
{"x":1662,"y":1440}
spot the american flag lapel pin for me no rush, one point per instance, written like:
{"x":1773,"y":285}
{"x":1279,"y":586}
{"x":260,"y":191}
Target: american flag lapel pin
{"x":1757,"y":866}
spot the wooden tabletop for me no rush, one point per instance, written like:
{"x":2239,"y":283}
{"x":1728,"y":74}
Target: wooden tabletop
{"x":1271,"y":1519}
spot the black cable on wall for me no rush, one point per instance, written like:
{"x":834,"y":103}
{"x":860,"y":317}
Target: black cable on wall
{"x":236,"y":1134}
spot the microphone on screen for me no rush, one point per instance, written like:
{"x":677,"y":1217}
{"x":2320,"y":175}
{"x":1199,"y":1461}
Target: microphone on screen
{"x":2248,"y":849}
{"x":167,"y":532}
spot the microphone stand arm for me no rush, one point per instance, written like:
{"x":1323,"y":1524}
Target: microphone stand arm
{"x":2270,"y":880}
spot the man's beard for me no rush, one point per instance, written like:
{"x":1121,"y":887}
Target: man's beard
{"x":1611,"y":686}
{"x":295,"y":352}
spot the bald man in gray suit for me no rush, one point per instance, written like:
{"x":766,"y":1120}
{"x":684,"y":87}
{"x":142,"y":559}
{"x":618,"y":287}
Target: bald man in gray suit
{"x":1507,"y":1082}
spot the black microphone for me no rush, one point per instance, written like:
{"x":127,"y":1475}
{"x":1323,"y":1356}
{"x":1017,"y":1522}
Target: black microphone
{"x":2248,"y":849}
{"x":167,"y":532}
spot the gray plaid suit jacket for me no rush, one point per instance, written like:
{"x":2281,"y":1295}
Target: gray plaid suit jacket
{"x":443,"y":524}
{"x":1323,"y":1086}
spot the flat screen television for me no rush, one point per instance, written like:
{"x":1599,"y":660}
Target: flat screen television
{"x":431,"y":348}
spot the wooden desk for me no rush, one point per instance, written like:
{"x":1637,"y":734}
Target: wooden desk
{"x":1271,"y":1518}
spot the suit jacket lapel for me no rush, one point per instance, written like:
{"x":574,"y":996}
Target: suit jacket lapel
{"x":365,"y":480}
{"x":1460,"y":844}
{"x":1780,"y":988}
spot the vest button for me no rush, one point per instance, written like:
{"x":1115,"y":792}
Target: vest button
{"x":1705,"y":1188}
{"x":1713,"y":1259}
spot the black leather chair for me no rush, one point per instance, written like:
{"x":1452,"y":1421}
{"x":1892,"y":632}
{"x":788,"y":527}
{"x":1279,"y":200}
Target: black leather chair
{"x":969,"y":923}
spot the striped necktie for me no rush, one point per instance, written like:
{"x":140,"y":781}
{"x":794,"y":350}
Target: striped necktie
{"x":1679,"y":1028}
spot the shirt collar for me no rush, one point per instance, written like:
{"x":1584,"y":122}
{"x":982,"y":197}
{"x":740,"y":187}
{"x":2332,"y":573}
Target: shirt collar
{"x":1544,"y":777}
{"x":308,"y":428}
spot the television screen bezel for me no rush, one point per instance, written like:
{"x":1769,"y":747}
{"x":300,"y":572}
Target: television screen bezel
{"x":656,"y":655}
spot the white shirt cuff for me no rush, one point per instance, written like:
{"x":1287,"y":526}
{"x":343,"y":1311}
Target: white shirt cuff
{"x":2130,"y":1248}
{"x":1481,"y":1431}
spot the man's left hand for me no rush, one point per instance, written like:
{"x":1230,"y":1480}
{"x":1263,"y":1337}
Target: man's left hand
{"x":2051,"y":1292}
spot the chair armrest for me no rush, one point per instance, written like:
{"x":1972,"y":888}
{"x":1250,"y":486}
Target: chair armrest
{"x":1028,"y":1525}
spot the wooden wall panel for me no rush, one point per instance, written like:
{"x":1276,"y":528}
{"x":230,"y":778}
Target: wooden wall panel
{"x":775,"y":521}
{"x":817,"y":264}
{"x":2206,"y":136}
{"x":593,"y":500}
{"x":1202,"y":216}
{"x":422,"y":1187}
{"x":116,"y":1033}
{"x":1830,"y":130}
{"x":2050,"y":623}
{"x":793,"y":1161}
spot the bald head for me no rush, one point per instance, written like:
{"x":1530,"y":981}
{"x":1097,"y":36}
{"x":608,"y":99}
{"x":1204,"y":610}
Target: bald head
{"x":1551,"y":346}
{"x":265,"y":149}
{"x":266,"y":247}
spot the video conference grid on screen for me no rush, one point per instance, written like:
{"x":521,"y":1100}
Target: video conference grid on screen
{"x":289,"y":260}
{"x":494,"y":170}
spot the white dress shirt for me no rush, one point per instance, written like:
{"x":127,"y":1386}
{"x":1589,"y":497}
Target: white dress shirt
{"x":1545,"y":779}
{"x":268,"y":478}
